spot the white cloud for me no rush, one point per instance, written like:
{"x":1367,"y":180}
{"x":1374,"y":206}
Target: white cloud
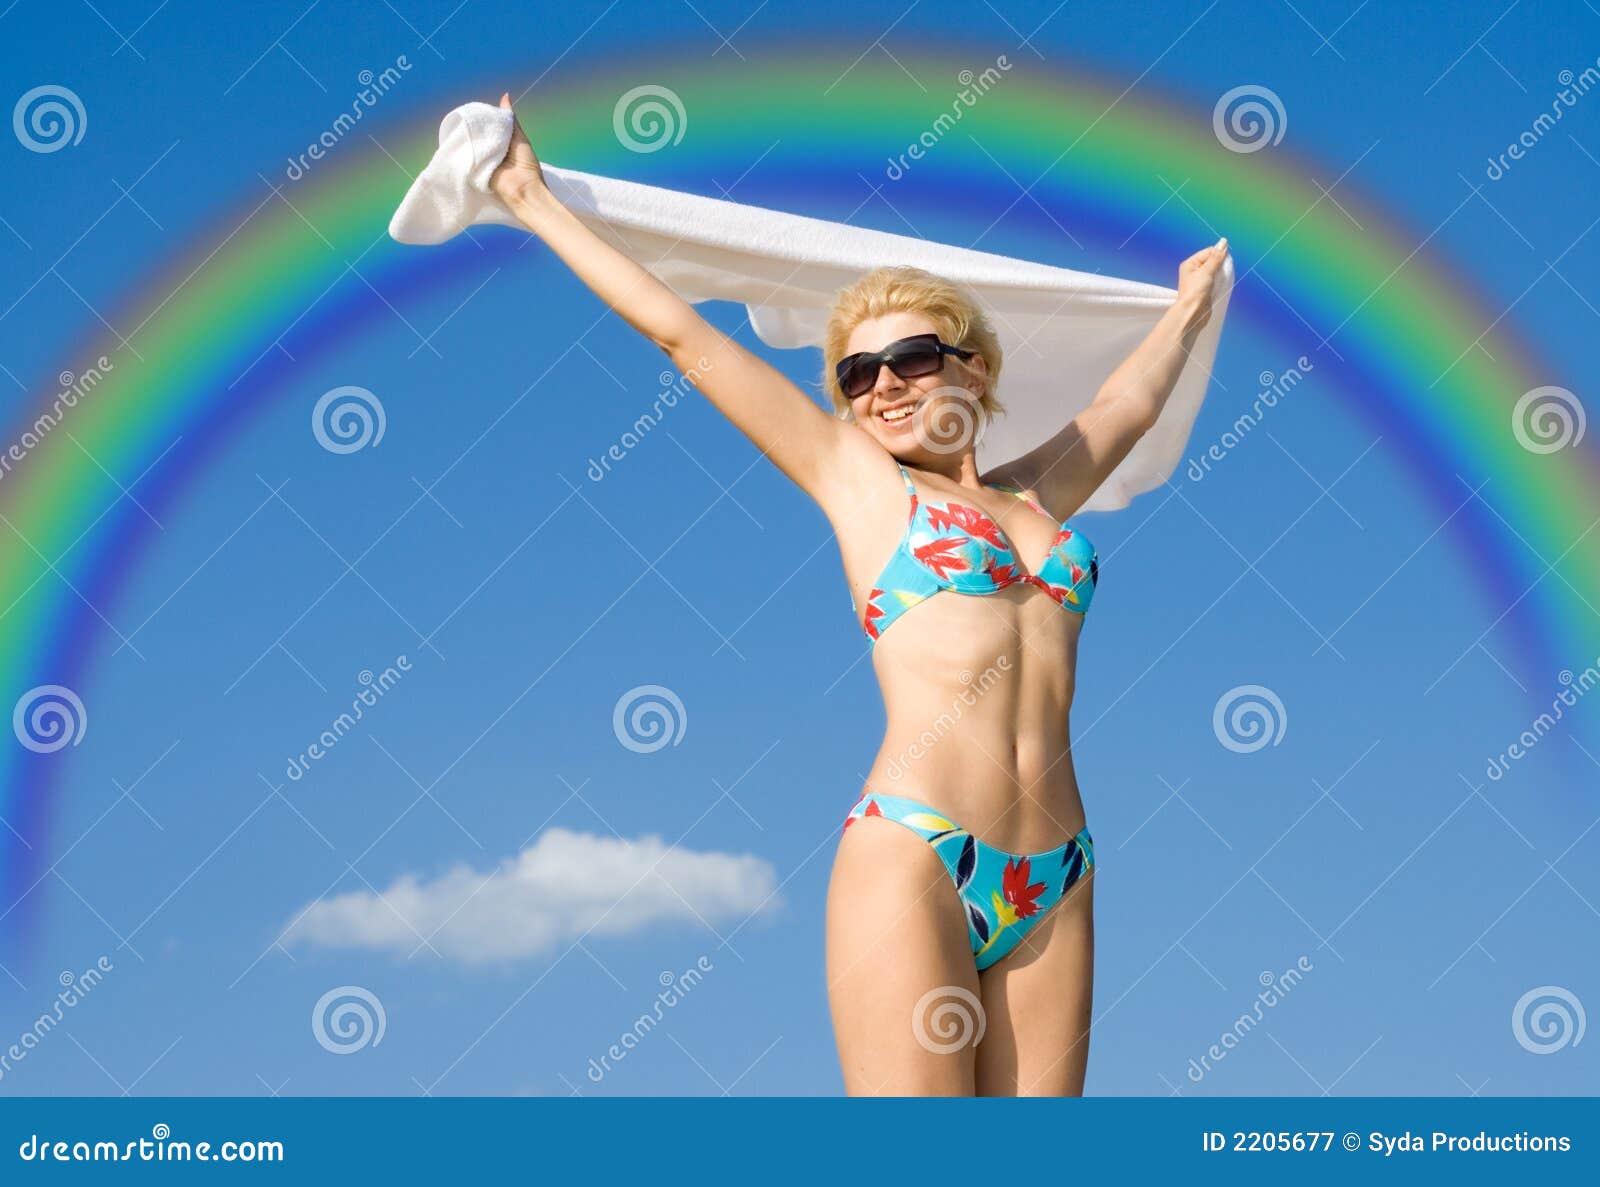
{"x":565,"y":885}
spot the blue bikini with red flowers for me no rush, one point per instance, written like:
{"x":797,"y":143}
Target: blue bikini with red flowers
{"x":951,"y":546}
{"x":1004,"y":895}
{"x":956,"y":547}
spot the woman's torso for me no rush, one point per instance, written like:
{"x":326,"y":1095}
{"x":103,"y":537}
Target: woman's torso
{"x":977,"y":687}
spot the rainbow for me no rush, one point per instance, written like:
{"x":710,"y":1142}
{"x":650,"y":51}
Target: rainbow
{"x":1430,"y":366}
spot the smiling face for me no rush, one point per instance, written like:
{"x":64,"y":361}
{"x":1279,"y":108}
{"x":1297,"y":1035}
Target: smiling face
{"x":929,"y":415}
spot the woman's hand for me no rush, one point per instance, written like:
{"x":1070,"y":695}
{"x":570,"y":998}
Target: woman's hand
{"x":518,"y":176}
{"x":1196,"y":281}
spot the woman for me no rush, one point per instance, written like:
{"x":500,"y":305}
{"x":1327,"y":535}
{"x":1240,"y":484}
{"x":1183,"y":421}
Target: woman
{"x":963,"y":882}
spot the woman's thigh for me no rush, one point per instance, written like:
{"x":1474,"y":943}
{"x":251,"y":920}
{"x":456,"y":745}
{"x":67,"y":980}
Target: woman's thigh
{"x":902,"y":984}
{"x":1038,"y":1000}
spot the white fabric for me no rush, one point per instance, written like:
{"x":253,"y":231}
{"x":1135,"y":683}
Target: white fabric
{"x":1063,"y":332}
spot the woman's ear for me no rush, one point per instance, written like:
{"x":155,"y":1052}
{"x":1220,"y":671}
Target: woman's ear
{"x":978,"y":364}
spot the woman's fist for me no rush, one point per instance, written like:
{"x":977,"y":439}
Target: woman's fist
{"x":1196,"y":279}
{"x":518,"y":173}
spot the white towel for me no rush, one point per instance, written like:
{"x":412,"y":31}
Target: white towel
{"x":1063,"y":332}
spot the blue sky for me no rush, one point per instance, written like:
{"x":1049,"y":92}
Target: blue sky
{"x":1426,"y":910}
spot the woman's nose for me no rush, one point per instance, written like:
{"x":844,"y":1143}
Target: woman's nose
{"x":894,"y":383}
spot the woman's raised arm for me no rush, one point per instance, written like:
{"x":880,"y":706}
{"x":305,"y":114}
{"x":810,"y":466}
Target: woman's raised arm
{"x":1071,"y":465}
{"x":806,"y":443}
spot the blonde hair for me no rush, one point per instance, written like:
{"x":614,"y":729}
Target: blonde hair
{"x":904,"y":289}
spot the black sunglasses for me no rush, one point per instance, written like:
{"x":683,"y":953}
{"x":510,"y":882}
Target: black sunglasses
{"x":920,"y":354}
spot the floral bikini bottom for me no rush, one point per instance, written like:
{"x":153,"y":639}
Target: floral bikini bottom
{"x":1005,"y":894}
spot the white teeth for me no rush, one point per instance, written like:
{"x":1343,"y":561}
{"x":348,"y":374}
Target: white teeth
{"x":899,"y":413}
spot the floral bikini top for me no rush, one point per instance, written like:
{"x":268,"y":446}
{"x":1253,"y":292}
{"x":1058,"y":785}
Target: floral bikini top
{"x":956,"y":547}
